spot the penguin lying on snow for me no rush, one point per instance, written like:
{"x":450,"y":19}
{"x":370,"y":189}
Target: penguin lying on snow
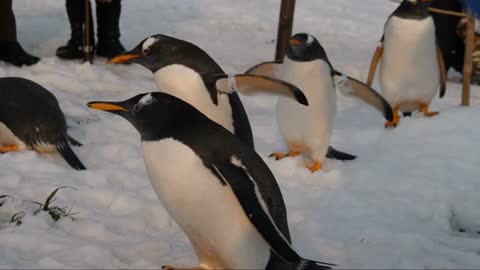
{"x":243,"y":216}
{"x":308,"y":129}
{"x":30,"y":118}
{"x":186,"y":71}
{"x":412,"y":68}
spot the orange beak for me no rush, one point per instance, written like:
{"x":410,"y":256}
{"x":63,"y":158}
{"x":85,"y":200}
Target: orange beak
{"x":103,"y":106}
{"x":295,"y":42}
{"x":122,"y":58}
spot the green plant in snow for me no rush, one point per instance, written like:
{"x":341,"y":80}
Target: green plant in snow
{"x":55,"y":212}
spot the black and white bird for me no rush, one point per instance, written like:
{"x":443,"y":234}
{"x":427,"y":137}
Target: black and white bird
{"x":412,"y":70}
{"x":31,"y":118}
{"x":184,"y":70}
{"x":216,"y":188}
{"x":307,"y":130}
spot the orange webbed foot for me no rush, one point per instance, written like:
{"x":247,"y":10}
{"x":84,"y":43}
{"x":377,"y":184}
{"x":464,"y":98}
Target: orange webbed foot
{"x":278,"y":155}
{"x":395,"y":121}
{"x":316,"y":166}
{"x":8,"y":148}
{"x":424,"y":110}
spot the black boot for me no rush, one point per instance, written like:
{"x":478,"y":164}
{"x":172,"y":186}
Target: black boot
{"x":108,"y":30}
{"x":74,"y":47}
{"x":13,"y":53}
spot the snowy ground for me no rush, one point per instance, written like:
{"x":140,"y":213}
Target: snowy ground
{"x":401,"y":204}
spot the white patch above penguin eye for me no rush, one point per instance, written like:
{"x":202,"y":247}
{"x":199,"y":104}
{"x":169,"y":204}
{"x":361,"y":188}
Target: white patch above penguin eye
{"x":310,"y":39}
{"x":144,"y":101}
{"x":148,"y":43}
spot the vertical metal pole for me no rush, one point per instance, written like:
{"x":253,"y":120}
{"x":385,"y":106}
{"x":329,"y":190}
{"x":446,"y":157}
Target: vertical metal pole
{"x":285,"y":24}
{"x":468,"y":63}
{"x":87,"y":42}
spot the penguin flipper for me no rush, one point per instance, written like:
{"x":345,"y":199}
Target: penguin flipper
{"x":443,"y":73}
{"x":353,"y":87}
{"x":373,"y":65}
{"x":265,"y":69}
{"x":73,"y":141}
{"x":249,"y":84}
{"x":251,"y":198}
{"x":70,"y":157}
{"x":333,"y":153}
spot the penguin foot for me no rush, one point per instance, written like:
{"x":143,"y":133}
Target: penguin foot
{"x":8,"y":148}
{"x":293,"y":153}
{"x":424,"y":110}
{"x":395,"y":121}
{"x":278,"y":155}
{"x":315,"y":167}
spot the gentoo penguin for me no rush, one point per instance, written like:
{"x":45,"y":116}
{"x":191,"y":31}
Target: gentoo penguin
{"x":30,"y":118}
{"x":307,"y":130}
{"x":412,"y":68}
{"x":186,"y":71}
{"x":216,"y":188}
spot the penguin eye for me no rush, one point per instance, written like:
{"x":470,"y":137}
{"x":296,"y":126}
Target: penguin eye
{"x":146,"y":50}
{"x":137,"y":108}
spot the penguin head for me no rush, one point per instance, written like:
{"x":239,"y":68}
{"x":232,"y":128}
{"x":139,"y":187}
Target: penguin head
{"x":151,"y":114}
{"x":412,"y":9}
{"x":304,"y":48}
{"x":158,"y":51}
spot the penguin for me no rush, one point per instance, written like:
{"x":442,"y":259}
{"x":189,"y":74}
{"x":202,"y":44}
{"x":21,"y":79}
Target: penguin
{"x":215,"y":187}
{"x":31,"y":119}
{"x":307,"y":130}
{"x":412,"y":68}
{"x":183,"y":69}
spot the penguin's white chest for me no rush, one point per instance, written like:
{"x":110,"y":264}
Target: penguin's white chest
{"x":308,"y":127}
{"x":207,"y":211}
{"x":186,"y":84}
{"x":409,"y":72}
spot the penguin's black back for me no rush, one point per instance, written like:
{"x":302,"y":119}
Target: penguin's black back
{"x":31,"y":112}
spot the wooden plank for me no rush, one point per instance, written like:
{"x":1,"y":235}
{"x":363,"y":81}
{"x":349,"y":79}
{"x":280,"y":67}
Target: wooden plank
{"x":468,"y":63}
{"x":285,"y":25}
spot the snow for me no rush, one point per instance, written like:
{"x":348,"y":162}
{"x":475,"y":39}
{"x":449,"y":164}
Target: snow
{"x":409,"y":201}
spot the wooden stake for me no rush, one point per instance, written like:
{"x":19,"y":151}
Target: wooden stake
{"x":285,"y":24}
{"x":87,"y":42}
{"x":468,"y":60}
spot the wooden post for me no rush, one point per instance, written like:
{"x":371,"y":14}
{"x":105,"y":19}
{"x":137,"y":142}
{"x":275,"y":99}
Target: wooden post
{"x":87,"y":42}
{"x":285,"y":24}
{"x":468,"y":63}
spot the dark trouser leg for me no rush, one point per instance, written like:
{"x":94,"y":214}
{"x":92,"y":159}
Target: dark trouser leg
{"x":10,"y":50}
{"x":76,"y":16}
{"x":108,"y":30}
{"x":8,"y":31}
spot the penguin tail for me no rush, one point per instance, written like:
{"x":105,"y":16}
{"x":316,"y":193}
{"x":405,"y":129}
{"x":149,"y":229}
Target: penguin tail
{"x":305,"y":264}
{"x":70,"y":157}
{"x":73,"y":142}
{"x":335,"y":154}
